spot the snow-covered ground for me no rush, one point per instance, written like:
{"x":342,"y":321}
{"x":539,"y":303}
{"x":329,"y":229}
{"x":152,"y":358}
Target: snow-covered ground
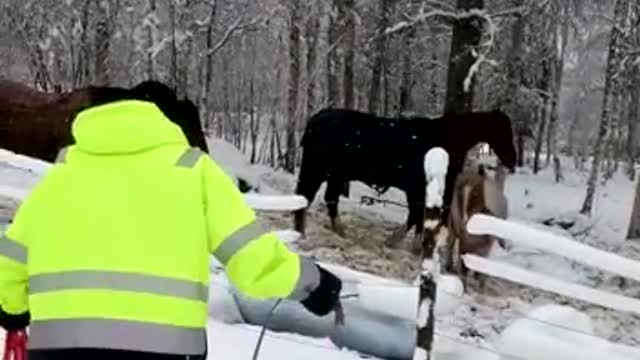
{"x":475,"y":328}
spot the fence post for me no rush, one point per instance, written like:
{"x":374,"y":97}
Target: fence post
{"x":436,"y":162}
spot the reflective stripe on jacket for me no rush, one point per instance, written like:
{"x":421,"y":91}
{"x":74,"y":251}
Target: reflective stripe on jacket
{"x":111,"y":248}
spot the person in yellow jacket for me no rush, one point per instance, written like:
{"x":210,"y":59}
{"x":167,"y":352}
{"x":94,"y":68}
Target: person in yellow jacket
{"x":108,"y":257}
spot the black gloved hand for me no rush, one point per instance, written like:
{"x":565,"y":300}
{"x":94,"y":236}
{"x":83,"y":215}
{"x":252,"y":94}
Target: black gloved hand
{"x":14,"y":322}
{"x":324,"y":298}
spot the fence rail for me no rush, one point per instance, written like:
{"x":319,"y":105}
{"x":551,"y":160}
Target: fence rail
{"x":478,"y":224}
{"x":547,"y":283}
{"x":261,"y":202}
{"x":529,"y":236}
{"x":481,"y":224}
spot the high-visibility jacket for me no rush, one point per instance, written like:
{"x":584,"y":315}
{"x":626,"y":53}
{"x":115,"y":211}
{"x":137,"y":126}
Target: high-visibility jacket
{"x":111,"y":248}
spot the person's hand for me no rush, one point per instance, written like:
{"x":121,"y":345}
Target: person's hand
{"x":326,"y":296}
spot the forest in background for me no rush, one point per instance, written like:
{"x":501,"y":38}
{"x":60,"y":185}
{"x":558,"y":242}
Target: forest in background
{"x":566,"y":71}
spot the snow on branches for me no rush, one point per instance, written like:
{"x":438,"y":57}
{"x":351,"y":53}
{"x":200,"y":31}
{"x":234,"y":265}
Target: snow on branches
{"x":450,"y":16}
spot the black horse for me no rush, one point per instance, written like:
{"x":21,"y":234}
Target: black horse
{"x":346,"y":145}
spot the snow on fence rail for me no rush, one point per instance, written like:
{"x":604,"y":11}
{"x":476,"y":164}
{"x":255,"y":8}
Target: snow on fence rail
{"x":260,"y":202}
{"x":560,"y":245}
{"x":40,"y":167}
{"x":555,"y":346}
{"x":525,"y":235}
{"x":547,"y":283}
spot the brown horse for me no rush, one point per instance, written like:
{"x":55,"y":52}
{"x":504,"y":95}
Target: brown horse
{"x":342,"y":145}
{"x":38,"y":124}
{"x":474,"y":193}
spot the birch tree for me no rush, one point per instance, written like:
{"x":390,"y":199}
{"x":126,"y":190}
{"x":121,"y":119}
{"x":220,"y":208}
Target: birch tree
{"x":611,"y":89}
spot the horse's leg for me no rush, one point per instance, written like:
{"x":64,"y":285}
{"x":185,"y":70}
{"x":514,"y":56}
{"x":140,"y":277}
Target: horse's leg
{"x":453,"y":170}
{"x":417,"y":217}
{"x":398,"y":234}
{"x":308,"y":185}
{"x":335,"y":187}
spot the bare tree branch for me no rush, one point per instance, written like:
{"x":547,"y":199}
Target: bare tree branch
{"x":237,"y":26}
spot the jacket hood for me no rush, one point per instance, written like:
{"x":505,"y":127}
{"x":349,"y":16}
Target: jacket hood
{"x":124,"y":127}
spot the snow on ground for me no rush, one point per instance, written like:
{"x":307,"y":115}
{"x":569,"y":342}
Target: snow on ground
{"x":479,"y":318}
{"x":533,"y":199}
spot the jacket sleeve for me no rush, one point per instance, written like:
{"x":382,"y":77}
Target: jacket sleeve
{"x":256,"y":261}
{"x":14,"y":310}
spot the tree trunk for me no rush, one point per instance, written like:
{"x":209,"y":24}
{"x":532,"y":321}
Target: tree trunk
{"x":82,"y":73}
{"x":632,"y":99}
{"x":333,"y":91}
{"x":467,"y":34}
{"x":102,"y":43}
{"x":150,"y":43}
{"x":207,"y":75}
{"x":514,"y":79}
{"x":544,"y":84}
{"x":611,"y":89}
{"x":379,"y":49}
{"x":254,"y":123}
{"x":634,"y":224}
{"x":311,"y":39}
{"x":632,"y":124}
{"x":542,"y":123}
{"x":294,"y":80}
{"x":405,"y":101}
{"x":173,"y":72}
{"x":434,"y":100}
{"x":222,"y":120}
{"x":407,"y":83}
{"x":349,"y":42}
{"x":557,"y":75}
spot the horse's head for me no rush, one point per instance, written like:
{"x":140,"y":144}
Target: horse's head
{"x":191,"y":124}
{"x":501,"y":139}
{"x":183,"y":113}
